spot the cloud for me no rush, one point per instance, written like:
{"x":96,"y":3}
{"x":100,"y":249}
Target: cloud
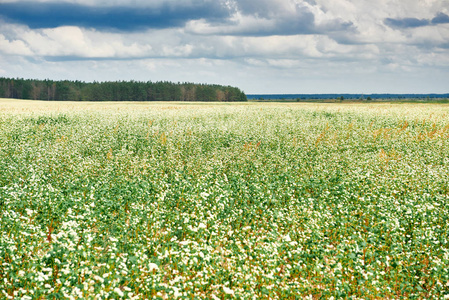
{"x":231,"y":17}
{"x":251,"y":25}
{"x":68,"y":43}
{"x":406,"y":22}
{"x":124,"y":18}
{"x":271,"y":17}
{"x":236,"y":29}
{"x":440,"y":18}
{"x":15,"y":47}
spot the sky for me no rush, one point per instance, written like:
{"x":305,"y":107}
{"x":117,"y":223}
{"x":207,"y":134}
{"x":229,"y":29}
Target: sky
{"x":260,"y":46}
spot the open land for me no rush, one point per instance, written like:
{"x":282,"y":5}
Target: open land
{"x":243,"y":200}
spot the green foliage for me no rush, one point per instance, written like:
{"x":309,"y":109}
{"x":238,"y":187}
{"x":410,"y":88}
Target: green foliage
{"x":278,"y":201}
{"x":116,"y":91}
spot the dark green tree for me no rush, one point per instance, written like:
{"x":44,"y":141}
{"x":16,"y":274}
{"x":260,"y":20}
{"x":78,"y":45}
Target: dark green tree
{"x":116,"y":91}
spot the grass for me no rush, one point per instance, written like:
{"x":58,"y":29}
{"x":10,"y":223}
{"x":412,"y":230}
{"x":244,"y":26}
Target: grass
{"x":272,"y":200}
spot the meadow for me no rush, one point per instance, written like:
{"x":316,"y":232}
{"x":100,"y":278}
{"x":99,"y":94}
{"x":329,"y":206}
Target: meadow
{"x":222,"y":201}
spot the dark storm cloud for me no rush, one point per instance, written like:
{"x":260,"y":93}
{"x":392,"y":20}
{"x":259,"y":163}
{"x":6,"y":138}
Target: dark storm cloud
{"x":273,"y":17}
{"x":299,"y":20}
{"x":406,"y":22}
{"x":124,"y":18}
{"x":440,"y":18}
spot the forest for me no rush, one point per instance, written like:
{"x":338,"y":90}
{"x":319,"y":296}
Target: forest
{"x":66,"y":90}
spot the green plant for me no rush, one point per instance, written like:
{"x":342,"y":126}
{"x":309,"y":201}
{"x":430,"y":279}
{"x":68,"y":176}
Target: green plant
{"x":278,"y":201}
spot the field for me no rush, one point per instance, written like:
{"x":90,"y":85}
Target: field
{"x":221,"y":201}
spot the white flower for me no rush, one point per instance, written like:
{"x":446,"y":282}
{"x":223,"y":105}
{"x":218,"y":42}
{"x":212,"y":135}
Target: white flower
{"x":119,"y":292}
{"x":228,"y":291}
{"x":287,"y":238}
{"x":152,"y":266}
{"x":176,"y":292}
{"x":202,"y":226}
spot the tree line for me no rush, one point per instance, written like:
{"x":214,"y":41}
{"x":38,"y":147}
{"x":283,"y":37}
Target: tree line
{"x":66,"y":90}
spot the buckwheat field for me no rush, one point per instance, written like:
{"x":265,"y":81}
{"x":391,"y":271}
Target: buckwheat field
{"x":221,"y":201}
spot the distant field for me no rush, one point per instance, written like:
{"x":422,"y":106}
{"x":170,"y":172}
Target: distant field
{"x":419,"y":98}
{"x":273,"y":200}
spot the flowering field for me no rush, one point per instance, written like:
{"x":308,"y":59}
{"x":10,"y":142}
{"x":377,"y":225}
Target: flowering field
{"x":221,"y":201}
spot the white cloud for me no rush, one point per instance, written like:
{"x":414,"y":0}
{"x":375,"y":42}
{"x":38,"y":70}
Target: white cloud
{"x":238,"y":25}
{"x":71,"y":41}
{"x":15,"y":47}
{"x":430,"y":37}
